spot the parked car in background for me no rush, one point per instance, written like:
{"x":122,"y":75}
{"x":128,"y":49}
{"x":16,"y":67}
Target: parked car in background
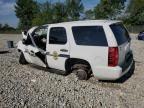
{"x":141,"y":36}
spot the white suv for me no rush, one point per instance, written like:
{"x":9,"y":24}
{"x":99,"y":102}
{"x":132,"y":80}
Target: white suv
{"x":98,"y":47}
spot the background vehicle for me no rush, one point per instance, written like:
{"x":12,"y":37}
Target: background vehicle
{"x":141,"y":36}
{"x":97,"y":47}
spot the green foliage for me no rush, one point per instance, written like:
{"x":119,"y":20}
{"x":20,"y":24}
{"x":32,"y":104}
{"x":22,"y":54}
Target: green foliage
{"x":26,"y":11}
{"x":30,"y":13}
{"x":74,"y":9}
{"x":0,"y":26}
{"x":50,"y":13}
{"x":89,"y":14}
{"x":135,"y":12}
{"x":45,"y":14}
{"x":7,"y":29}
{"x":108,"y":9}
{"x":60,"y":13}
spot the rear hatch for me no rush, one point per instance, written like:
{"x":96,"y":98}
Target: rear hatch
{"x":123,"y":40}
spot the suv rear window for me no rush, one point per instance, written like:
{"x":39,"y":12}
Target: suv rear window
{"x":89,"y":35}
{"x":120,"y":33}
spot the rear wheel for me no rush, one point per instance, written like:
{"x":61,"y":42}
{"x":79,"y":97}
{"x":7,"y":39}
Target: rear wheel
{"x":82,"y":71}
{"x":22,"y":59}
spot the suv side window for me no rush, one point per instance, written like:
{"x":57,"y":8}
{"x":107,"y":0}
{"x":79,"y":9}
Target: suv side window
{"x":57,"y":35}
{"x":89,"y":35}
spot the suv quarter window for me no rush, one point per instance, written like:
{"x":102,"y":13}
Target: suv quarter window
{"x":120,"y":33}
{"x":57,"y":35}
{"x":89,"y":35}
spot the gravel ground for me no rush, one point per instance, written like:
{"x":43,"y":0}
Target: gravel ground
{"x":28,"y":86}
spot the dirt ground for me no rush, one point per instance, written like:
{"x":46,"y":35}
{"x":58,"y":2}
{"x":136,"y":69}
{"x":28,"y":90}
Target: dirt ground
{"x":28,"y":86}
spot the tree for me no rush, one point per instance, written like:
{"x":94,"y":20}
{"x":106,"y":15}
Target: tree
{"x":135,"y":12}
{"x":45,"y":14}
{"x":60,"y":13}
{"x":51,"y":13}
{"x":6,"y":27}
{"x":74,"y":9}
{"x":31,"y":13}
{"x":0,"y":26}
{"x":26,"y":10}
{"x":89,"y":14}
{"x":109,"y":9}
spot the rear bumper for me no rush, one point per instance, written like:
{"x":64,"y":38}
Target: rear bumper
{"x":111,"y":73}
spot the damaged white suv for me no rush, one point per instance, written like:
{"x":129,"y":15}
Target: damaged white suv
{"x":98,"y":47}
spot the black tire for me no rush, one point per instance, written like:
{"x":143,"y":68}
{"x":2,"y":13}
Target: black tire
{"x":22,"y":59}
{"x":82,"y":71}
{"x":82,"y":74}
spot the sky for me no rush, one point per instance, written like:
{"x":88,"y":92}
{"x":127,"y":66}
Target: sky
{"x":7,"y":13}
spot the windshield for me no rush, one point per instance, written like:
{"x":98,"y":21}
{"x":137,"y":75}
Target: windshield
{"x":120,"y":33}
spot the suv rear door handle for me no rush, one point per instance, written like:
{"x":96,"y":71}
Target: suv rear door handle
{"x":64,"y":50}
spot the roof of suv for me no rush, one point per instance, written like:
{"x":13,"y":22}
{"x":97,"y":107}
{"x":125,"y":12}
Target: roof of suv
{"x":88,"y":22}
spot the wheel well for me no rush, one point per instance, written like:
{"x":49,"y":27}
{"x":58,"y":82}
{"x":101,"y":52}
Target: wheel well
{"x":71,"y":61}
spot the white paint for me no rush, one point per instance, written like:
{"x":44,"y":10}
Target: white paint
{"x":97,"y":56}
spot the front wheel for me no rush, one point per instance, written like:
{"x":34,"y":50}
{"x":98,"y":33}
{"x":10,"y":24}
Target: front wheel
{"x":22,"y":59}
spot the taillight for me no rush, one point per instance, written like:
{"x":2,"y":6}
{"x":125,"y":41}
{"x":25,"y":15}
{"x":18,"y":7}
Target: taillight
{"x":113,"y":56}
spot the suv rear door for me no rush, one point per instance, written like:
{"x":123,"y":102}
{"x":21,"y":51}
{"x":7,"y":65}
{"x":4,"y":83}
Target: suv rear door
{"x":57,"y":48}
{"x":123,"y":40}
